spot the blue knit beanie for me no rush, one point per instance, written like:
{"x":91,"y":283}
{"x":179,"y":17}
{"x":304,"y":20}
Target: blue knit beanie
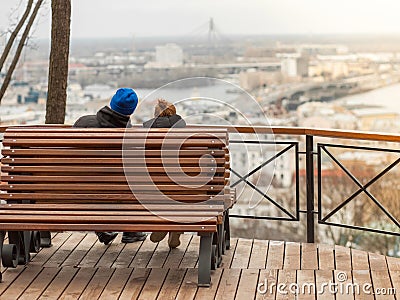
{"x":124,"y":101}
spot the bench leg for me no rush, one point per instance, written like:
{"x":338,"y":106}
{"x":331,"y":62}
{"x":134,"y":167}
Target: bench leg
{"x":45,"y":239}
{"x":24,"y":252}
{"x":2,"y":236}
{"x":204,"y":277}
{"x":227,"y":231}
{"x":219,"y":236}
{"x":21,"y":240}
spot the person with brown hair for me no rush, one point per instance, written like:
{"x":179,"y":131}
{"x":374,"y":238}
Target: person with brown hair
{"x":165,"y":117}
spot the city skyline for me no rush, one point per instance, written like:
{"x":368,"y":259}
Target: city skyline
{"x":158,"y":18}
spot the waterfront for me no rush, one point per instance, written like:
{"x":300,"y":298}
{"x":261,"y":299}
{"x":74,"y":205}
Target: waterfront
{"x":386,"y":98}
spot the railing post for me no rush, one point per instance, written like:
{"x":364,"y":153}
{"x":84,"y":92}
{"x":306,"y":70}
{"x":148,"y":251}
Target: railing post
{"x":310,"y":187}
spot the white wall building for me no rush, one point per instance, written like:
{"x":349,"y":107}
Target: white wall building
{"x":294,"y":66}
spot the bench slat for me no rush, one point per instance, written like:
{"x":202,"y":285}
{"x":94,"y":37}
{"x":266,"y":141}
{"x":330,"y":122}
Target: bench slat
{"x":120,"y":161}
{"x":186,"y":130}
{"x":107,"y":197}
{"x":45,"y":152}
{"x":111,"y":219}
{"x":120,"y":169}
{"x":108,"y":187}
{"x":109,"y":143}
{"x":112,"y":207}
{"x":116,"y":179}
{"x":107,"y":227}
{"x":111,"y":135}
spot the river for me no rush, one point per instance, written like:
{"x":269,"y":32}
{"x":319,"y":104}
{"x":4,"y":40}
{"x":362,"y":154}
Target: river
{"x":387,"y":98}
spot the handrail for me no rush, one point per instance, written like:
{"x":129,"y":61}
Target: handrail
{"x":301,"y":131}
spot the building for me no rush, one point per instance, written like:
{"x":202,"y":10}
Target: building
{"x":169,"y":55}
{"x":294,"y":66}
{"x":252,"y":78}
{"x":376,"y":119}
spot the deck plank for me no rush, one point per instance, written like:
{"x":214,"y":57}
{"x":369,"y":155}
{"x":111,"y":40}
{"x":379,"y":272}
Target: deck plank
{"x":160,"y":254}
{"x":326,"y":257}
{"x":209,"y":293}
{"x":64,"y":251}
{"x":292,"y":256}
{"x":93,"y":255}
{"x":45,"y":254}
{"x":247,"y":283}
{"x":361,"y":278}
{"x":342,"y":258}
{"x":78,"y":284}
{"x":188,"y":288}
{"x":258,"y":256}
{"x":21,"y":282}
{"x":176,"y":255}
{"x":227,"y":260}
{"x":80,"y":251}
{"x":377,"y":262}
{"x":306,"y":284}
{"x":116,"y":284}
{"x":242,"y":254}
{"x":228,"y":284}
{"x":359,"y":260}
{"x":309,"y":256}
{"x":110,"y":255}
{"x":286,"y":277}
{"x":146,"y":252}
{"x":9,"y":276}
{"x":344,"y":278}
{"x":126,"y":255}
{"x":153,"y":284}
{"x":191,"y":255}
{"x":37,"y":287}
{"x":276,"y":252}
{"x":395,"y":277}
{"x":96,"y":285}
{"x":393,"y":263}
{"x":135,"y":284}
{"x":322,"y":278}
{"x":171,"y":284}
{"x":267,"y":281}
{"x":380,"y":280}
{"x":59,"y":284}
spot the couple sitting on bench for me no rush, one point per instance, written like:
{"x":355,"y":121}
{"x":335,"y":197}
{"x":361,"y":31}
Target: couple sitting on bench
{"x":122,"y":105}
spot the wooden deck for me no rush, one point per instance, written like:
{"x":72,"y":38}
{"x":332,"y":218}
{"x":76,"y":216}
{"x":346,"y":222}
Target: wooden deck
{"x":78,"y":267}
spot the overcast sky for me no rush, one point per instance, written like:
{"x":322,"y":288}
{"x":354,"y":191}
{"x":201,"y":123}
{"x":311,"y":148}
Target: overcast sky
{"x":124,"y":18}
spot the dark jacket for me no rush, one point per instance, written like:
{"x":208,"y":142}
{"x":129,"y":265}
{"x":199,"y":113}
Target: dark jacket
{"x":165,"y":122}
{"x":105,"y":118}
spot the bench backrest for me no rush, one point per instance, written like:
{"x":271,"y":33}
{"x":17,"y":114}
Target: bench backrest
{"x":71,"y":165}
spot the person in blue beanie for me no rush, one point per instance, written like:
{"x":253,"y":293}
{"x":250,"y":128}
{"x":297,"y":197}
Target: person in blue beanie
{"x":122,"y":105}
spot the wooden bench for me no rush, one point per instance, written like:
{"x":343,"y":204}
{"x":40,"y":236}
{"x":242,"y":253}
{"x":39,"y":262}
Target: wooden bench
{"x":70,"y":179}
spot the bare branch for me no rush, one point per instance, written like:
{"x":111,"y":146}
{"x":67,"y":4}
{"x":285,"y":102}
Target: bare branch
{"x":14,"y":34}
{"x":21,"y":43}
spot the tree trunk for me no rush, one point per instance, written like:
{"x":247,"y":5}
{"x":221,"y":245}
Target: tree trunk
{"x":58,"y":66}
{"x":14,"y":34}
{"x":21,"y":44}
